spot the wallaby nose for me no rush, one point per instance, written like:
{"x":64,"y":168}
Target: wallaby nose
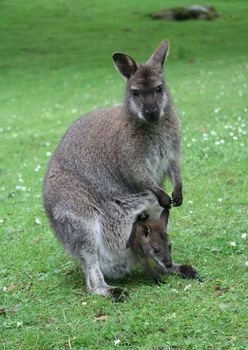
{"x":168,"y":262}
{"x":151,"y":113}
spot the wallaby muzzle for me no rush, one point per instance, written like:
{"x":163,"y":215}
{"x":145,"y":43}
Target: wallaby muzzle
{"x":151,"y":113}
{"x":167,"y":262}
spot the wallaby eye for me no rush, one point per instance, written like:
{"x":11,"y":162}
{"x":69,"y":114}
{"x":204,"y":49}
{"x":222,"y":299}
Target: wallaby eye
{"x":156,"y":250}
{"x":135,"y":92}
{"x":170,"y":247}
{"x":159,"y":88}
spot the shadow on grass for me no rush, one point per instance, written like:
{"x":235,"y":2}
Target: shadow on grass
{"x":75,"y":279}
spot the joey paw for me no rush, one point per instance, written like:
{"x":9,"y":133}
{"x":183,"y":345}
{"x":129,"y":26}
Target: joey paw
{"x":119,"y":295}
{"x":157,"y":280}
{"x":187,"y":271}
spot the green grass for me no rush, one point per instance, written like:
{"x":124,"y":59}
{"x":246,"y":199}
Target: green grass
{"x":55,"y":64}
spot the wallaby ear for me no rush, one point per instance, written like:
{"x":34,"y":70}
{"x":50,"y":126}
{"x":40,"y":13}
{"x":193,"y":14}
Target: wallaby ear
{"x":132,"y":235}
{"x":164,"y":218}
{"x":160,"y":54}
{"x":125,"y":64}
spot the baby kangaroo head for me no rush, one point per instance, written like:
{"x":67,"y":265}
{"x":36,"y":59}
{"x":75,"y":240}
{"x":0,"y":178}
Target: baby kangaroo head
{"x":155,"y":240}
{"x":152,"y":239}
{"x":146,"y":94}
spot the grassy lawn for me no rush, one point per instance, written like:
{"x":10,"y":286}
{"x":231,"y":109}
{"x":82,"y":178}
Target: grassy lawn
{"x":55,"y":64}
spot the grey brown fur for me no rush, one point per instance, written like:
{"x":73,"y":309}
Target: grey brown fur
{"x":149,"y":240}
{"x":110,"y":166}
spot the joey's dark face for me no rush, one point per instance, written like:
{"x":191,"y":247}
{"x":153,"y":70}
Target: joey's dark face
{"x":146,"y":96}
{"x":156,"y":245}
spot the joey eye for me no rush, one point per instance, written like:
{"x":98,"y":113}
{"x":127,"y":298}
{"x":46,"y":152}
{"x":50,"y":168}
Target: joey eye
{"x":135,"y":92}
{"x":159,"y":88}
{"x":156,"y":250}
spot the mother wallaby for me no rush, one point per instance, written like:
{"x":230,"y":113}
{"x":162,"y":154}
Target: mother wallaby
{"x":110,"y":166}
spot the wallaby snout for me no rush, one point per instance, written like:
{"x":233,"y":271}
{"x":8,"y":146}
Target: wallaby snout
{"x":168,"y":262}
{"x":151,"y":113}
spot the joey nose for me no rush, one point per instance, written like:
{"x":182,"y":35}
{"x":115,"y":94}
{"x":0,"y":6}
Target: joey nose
{"x":151,"y":113}
{"x":168,"y":262}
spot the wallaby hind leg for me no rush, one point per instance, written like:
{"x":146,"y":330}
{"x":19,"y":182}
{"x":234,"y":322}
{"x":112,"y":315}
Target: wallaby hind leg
{"x":95,"y":279}
{"x":79,"y":237}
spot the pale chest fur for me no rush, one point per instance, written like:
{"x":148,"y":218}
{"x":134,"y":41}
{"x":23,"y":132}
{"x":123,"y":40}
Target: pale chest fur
{"x":159,"y":158}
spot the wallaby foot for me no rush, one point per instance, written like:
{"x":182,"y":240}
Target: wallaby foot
{"x":118,"y":295}
{"x":164,"y":200}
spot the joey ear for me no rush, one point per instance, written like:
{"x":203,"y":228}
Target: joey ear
{"x":164,"y":218}
{"x":125,"y":64}
{"x":160,"y":54}
{"x":145,"y":229}
{"x":132,"y":235}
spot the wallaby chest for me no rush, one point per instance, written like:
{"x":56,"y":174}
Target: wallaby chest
{"x":159,"y":155}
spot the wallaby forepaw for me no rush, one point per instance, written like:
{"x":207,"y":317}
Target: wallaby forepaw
{"x":187,"y":271}
{"x":177,"y":199}
{"x":165,"y":200}
{"x":119,"y":295}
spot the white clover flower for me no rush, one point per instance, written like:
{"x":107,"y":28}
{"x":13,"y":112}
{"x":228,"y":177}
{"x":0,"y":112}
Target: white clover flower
{"x":1,"y":220}
{"x":219,"y":199}
{"x":235,"y":138}
{"x":84,"y":303}
{"x":21,"y":188}
{"x":189,"y":286}
{"x":233,"y":244}
{"x":74,"y":110}
{"x":48,"y":154}
{"x":190,"y":202}
{"x":37,"y":221}
{"x":246,"y":263}
{"x":175,"y":290}
{"x":117,"y":341}
{"x":37,"y":168}
{"x":243,"y":235}
{"x":217,"y":110}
